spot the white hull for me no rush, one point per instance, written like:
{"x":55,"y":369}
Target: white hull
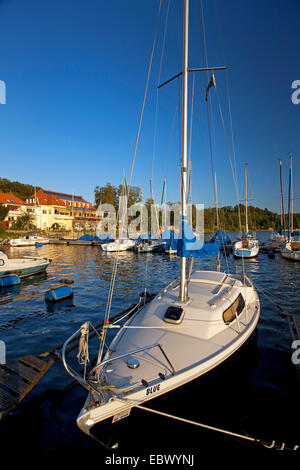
{"x":190,"y":349}
{"x":290,"y":251}
{"x":28,"y":241}
{"x":22,"y":267}
{"x":246,"y":248}
{"x":118,"y":245}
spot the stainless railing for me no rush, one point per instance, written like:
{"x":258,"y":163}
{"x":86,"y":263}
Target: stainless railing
{"x":87,"y":383}
{"x":130,"y":353}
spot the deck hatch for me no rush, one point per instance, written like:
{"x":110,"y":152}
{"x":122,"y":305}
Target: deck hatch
{"x":174,"y":315}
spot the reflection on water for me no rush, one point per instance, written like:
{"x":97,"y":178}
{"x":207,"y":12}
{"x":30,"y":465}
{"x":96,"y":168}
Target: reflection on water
{"x":30,"y":325}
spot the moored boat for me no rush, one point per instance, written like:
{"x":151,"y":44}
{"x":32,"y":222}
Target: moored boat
{"x":291,"y":249}
{"x":192,"y":326}
{"x":22,"y":267}
{"x":248,"y":246}
{"x":30,"y":240}
{"x":122,"y":244}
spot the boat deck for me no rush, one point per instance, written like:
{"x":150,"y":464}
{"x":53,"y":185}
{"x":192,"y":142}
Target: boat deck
{"x":202,"y":333}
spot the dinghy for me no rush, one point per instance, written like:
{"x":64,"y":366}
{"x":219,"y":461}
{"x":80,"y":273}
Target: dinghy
{"x":192,"y":326}
{"x":22,"y":267}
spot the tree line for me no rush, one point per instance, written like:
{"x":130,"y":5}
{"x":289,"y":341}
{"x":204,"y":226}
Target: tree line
{"x":231,"y":218}
{"x":22,"y":191}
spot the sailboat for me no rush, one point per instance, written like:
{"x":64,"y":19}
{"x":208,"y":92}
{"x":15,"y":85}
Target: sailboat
{"x":248,"y":246}
{"x":279,"y":238}
{"x":123,"y":242}
{"x":291,"y":249}
{"x":193,"y":325}
{"x":219,"y":235}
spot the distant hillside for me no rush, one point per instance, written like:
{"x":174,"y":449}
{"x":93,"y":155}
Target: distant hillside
{"x":258,"y":219}
{"x":21,"y":190}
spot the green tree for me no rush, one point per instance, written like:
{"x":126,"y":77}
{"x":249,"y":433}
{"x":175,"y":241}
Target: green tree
{"x":24,"y":222}
{"x":105,"y":195}
{"x":3,"y":212}
{"x":20,"y":190}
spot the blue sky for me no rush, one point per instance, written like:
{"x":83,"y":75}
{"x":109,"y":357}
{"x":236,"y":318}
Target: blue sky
{"x":75,"y":74}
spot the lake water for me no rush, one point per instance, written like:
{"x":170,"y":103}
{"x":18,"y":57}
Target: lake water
{"x":259,"y":395}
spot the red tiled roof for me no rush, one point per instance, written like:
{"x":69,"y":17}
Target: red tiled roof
{"x":9,"y":198}
{"x":53,"y":198}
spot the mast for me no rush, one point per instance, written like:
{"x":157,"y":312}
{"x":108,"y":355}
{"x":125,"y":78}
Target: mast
{"x":216,"y":199}
{"x":141,"y":213}
{"x":246,"y":190}
{"x":282,"y":203}
{"x":289,"y":201}
{"x":292,"y":198}
{"x":182,"y":292}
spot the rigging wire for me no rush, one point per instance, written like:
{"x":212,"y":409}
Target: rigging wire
{"x":115,"y":267}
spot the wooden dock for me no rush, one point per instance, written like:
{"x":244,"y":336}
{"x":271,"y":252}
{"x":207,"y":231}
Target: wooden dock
{"x":17,"y":379}
{"x":61,"y":241}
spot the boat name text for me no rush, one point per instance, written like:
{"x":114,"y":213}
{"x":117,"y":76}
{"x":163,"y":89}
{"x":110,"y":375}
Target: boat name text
{"x":153,"y":389}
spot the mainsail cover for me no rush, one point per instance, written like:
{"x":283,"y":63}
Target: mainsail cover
{"x":220,"y":237}
{"x":189,"y":245}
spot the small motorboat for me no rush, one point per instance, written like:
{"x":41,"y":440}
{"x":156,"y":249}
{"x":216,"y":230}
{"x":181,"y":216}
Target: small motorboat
{"x":29,"y":240}
{"x":22,"y":267}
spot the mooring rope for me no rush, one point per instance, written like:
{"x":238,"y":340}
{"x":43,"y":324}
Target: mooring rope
{"x":272,"y":445}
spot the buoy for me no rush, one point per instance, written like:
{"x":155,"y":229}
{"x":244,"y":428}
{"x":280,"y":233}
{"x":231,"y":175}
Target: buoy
{"x":66,"y":281}
{"x":59,"y":293}
{"x":11,"y":280}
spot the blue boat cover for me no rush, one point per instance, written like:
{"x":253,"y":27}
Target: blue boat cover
{"x":168,"y":235}
{"x":189,"y":245}
{"x":172,"y":241}
{"x":220,"y":237}
{"x":92,"y":238}
{"x":104,"y":237}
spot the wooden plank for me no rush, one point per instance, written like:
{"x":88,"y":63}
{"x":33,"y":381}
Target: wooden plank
{"x":12,"y":382}
{"x":296,"y":319}
{"x":20,"y":369}
{"x":6,"y":399}
{"x":34,"y":362}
